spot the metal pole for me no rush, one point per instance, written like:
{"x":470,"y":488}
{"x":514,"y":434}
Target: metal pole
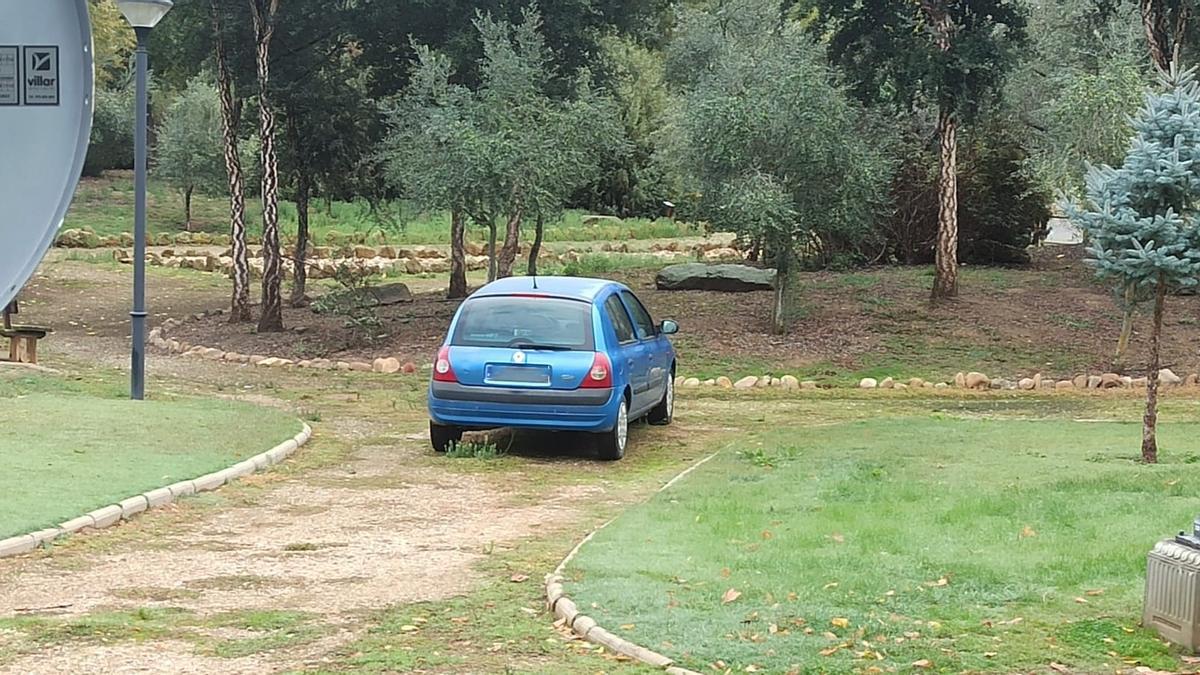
{"x":138,"y":370}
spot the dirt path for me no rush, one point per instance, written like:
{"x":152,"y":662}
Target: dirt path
{"x":364,"y":519}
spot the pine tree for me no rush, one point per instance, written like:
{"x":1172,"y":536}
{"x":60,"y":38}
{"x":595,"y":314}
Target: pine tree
{"x":1141,"y":219}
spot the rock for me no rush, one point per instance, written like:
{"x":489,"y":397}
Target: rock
{"x":941,"y":385}
{"x":722,"y":255}
{"x":1110,"y":381}
{"x":887,"y":383}
{"x":1093,"y":381}
{"x":691,"y":383}
{"x":977,"y":381}
{"x":477,"y":250}
{"x":1191,"y":380}
{"x":960,"y":380}
{"x":867,"y":383}
{"x":764,"y":382}
{"x":1140,"y":382}
{"x":360,"y":367}
{"x":364,"y":252}
{"x":710,"y":383}
{"x":1037,"y":381}
{"x":724,"y":278}
{"x":748,"y":382}
{"x":1064,"y":385}
{"x":916,"y":383}
{"x":304,"y":363}
{"x":679,"y":382}
{"x":899,"y":385}
{"x":1168,"y":376}
{"x":930,"y":385}
{"x":1001,"y":383}
{"x":724,"y":382}
{"x":1026,"y":384}
{"x":386,"y":366}
{"x":1127,"y":382}
{"x":790,"y":382}
{"x":808,"y":384}
{"x":388,"y":252}
{"x":234,"y":357}
{"x":409,"y":368}
{"x":1079,"y":381}
{"x":270,"y":362}
{"x":322,"y":364}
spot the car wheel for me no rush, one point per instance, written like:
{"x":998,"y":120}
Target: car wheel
{"x":664,"y":412}
{"x":442,"y":436}
{"x":612,"y":443}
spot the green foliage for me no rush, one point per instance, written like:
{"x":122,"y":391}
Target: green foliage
{"x":888,"y":49}
{"x":112,"y":40}
{"x":1140,"y":219}
{"x":474,"y":450}
{"x":354,"y":302}
{"x":111,"y":145}
{"x":190,"y":152}
{"x":1001,"y":205}
{"x":775,"y":150}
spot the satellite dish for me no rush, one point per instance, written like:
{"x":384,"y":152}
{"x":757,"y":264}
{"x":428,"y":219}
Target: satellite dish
{"x":46,"y":98}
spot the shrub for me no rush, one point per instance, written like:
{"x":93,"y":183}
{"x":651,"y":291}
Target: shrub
{"x":111,"y":145}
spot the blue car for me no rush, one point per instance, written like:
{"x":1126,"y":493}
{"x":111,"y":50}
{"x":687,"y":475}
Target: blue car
{"x":553,"y":353}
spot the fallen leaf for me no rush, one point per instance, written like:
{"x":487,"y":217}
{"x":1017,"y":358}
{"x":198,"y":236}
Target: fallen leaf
{"x":519,"y":578}
{"x":939,"y":583}
{"x":831,"y":651}
{"x":1027,"y":531}
{"x":989,"y":655}
{"x":1098,"y":591}
{"x":751,"y":668}
{"x":766,"y":534}
{"x":838,"y":537}
{"x":409,"y":628}
{"x":730,"y":595}
{"x":832,"y":584}
{"x":773,"y":628}
{"x":840,"y":622}
{"x":922,"y":663}
{"x":1059,"y":668}
{"x":1082,"y":601}
{"x":628,"y":626}
{"x":725,"y":572}
{"x":792,"y":596}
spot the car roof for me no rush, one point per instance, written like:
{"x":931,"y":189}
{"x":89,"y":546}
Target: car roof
{"x":563,"y":287}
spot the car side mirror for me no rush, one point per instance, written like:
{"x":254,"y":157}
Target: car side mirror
{"x":668,"y":327}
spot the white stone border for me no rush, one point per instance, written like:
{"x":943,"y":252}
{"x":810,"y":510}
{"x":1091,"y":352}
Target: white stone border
{"x":565,"y":609}
{"x":126,"y":509}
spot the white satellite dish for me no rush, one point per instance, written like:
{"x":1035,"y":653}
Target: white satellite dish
{"x":46,"y":98}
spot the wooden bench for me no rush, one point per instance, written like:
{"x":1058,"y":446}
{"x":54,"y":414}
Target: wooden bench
{"x":22,"y":340}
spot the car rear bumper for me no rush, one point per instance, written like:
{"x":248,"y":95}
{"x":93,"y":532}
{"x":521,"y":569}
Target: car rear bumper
{"x":470,"y":407}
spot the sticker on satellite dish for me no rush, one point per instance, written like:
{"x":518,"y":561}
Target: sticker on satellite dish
{"x":41,"y":76}
{"x":10,"y":74}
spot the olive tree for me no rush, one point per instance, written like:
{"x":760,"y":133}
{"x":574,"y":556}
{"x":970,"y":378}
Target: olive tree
{"x":190,"y":151}
{"x":771,"y":144}
{"x":1141,"y":218}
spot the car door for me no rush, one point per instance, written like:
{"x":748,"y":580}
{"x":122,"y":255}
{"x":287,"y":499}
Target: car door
{"x":631,"y":352}
{"x":657,"y":359}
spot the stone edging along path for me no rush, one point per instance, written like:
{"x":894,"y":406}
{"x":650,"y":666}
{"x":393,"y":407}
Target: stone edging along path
{"x":566,"y":611}
{"x":126,"y":509}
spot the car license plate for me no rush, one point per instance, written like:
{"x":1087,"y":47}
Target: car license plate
{"x":519,"y":374}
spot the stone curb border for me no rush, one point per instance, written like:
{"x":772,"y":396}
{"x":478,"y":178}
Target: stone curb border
{"x":565,"y":609}
{"x":126,"y":509}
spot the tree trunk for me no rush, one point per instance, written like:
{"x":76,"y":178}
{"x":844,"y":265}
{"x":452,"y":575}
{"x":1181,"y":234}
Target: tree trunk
{"x":945,"y":282}
{"x":1126,"y":329}
{"x":187,"y":208}
{"x":539,"y":233}
{"x":782,"y":277}
{"x":300,"y":261}
{"x":491,"y":223}
{"x":271,"y":320}
{"x":1154,"y":22}
{"x":230,"y":116}
{"x":458,"y":255}
{"x":1150,"y":421}
{"x":512,"y":236}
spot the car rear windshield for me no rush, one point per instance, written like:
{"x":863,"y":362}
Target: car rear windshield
{"x":525,"y":322}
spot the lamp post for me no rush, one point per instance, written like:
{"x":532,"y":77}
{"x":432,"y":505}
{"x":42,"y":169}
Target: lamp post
{"x":143,"y":15}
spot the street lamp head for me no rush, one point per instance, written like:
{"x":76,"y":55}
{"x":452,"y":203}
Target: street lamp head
{"x":144,"y":13}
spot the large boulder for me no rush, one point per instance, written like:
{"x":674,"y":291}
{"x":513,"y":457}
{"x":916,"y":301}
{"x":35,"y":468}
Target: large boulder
{"x":726,"y":278}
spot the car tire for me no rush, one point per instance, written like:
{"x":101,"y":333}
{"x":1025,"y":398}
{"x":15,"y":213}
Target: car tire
{"x":442,"y":437}
{"x":664,"y":412}
{"x":611,"y":444}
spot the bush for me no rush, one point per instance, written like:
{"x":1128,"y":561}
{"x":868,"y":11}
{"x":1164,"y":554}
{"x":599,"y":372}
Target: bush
{"x":111,"y":145}
{"x":1001,"y":207}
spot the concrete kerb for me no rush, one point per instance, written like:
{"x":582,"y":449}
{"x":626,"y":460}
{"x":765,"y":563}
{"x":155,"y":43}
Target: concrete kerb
{"x":126,"y":509}
{"x":566,"y":611}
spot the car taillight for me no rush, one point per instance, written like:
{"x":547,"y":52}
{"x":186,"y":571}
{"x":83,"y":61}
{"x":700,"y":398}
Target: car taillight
{"x":600,"y":374}
{"x":442,"y":370}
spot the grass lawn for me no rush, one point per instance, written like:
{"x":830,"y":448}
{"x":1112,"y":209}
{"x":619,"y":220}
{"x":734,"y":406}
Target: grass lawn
{"x":106,"y":206}
{"x":65,"y":453}
{"x":951,"y":542}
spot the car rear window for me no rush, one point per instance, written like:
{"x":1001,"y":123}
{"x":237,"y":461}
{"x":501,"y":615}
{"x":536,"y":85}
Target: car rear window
{"x":511,"y":321}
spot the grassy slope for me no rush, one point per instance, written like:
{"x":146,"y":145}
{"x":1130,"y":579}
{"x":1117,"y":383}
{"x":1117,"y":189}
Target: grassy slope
{"x":1039,"y":529}
{"x":67,"y":453}
{"x":106,"y":206}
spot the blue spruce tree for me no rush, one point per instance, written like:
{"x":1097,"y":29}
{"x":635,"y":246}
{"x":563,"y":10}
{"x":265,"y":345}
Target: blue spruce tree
{"x":1141,"y":219}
